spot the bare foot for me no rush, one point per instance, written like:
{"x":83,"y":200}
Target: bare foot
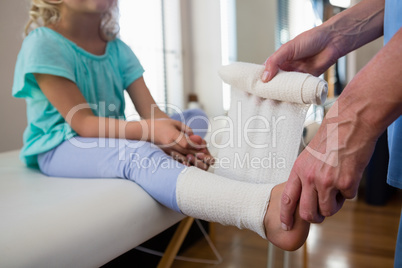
{"x":286,"y":240}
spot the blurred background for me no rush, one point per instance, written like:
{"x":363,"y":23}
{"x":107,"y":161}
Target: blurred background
{"x":182,"y":44}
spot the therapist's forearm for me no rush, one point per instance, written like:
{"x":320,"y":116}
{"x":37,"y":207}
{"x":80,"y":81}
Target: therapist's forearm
{"x":374,"y":97}
{"x":356,"y":26}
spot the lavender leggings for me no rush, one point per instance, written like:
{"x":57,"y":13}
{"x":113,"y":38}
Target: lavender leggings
{"x":138,"y":161}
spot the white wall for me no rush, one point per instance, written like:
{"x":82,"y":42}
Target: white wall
{"x":13,"y":15}
{"x":256,"y":22}
{"x":202,"y":53}
{"x":202,"y":44}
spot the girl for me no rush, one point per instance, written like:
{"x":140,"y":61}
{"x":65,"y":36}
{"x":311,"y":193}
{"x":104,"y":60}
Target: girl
{"x":72,"y":73}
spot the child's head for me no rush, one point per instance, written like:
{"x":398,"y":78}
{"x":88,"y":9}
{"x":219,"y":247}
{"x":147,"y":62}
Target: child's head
{"x":47,"y":12}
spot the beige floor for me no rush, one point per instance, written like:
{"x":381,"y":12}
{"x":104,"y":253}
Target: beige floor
{"x":358,"y":236}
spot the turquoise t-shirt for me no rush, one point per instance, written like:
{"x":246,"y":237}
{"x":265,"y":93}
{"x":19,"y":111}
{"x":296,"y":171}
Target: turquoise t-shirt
{"x":392,"y":23}
{"x":101,"y":79}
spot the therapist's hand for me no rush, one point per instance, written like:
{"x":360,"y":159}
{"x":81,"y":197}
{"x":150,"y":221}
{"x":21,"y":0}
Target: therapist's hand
{"x":316,"y":50}
{"x":310,"y":52}
{"x":329,"y":170}
{"x":313,"y":180}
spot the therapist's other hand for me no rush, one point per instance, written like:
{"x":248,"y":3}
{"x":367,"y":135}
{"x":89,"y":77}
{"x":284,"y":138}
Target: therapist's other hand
{"x":329,"y":170}
{"x":310,"y":52}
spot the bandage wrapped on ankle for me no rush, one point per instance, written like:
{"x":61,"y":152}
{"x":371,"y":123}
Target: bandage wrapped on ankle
{"x":239,"y":191}
{"x":214,"y":198}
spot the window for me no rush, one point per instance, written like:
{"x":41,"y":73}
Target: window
{"x":152,"y":29}
{"x":228,"y":42}
{"x":295,"y":17}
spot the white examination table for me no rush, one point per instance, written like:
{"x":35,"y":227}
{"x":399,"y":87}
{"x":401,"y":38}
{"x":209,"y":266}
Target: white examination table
{"x":58,"y":222}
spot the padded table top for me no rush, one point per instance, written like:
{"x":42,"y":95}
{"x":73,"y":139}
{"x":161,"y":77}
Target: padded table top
{"x":64,"y":222}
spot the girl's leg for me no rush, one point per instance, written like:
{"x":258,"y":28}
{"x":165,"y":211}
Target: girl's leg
{"x":139,"y":161}
{"x":215,"y":198}
{"x":247,"y":205}
{"x":198,"y":193}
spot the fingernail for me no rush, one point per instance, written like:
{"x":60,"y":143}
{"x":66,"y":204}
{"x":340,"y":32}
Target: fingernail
{"x":285,"y":227}
{"x":265,"y":76}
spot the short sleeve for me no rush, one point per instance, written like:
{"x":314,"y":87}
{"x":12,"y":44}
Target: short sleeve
{"x":131,"y":68}
{"x":42,"y":52}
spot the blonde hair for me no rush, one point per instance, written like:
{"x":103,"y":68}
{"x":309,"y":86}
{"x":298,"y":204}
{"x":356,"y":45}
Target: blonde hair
{"x":45,"y":12}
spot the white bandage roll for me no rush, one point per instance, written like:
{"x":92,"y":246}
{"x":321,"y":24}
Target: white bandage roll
{"x":285,"y":86}
{"x":214,"y":198}
{"x":264,"y":126}
{"x":261,"y":140}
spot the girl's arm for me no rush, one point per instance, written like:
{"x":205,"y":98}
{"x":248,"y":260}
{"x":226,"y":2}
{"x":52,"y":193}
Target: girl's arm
{"x":69,"y":101}
{"x":143,"y":101}
{"x":146,"y":107}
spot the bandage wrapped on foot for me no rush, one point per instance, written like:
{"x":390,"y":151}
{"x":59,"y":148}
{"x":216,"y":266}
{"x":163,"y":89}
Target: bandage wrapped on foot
{"x":238,"y":193}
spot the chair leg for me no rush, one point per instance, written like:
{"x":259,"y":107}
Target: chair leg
{"x":212,"y":231}
{"x":305,"y":255}
{"x":270,"y":263}
{"x":175,"y":243}
{"x":286,"y":259}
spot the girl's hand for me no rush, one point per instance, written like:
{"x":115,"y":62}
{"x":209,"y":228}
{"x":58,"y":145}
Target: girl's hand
{"x":198,"y":154}
{"x":177,"y":139}
{"x":201,"y":159}
{"x":168,"y":134}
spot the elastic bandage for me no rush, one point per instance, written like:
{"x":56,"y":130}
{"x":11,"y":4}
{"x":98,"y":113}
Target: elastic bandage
{"x":214,"y":198}
{"x":259,"y":145}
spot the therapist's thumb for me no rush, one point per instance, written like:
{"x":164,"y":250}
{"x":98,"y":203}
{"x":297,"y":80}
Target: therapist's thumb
{"x":277,"y":61}
{"x":289,"y":201}
{"x":271,"y":69}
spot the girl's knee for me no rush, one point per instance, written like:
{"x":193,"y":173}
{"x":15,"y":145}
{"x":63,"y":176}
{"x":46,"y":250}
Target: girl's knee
{"x":196,"y":113}
{"x":197,"y":119}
